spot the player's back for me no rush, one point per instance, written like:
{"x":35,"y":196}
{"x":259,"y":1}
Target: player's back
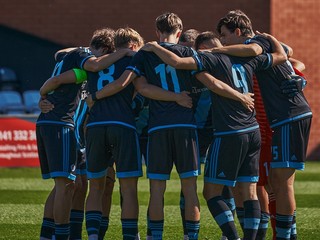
{"x":279,"y":107}
{"x":116,"y":109}
{"x":230,"y":116}
{"x":66,"y":97}
{"x":166,"y":114}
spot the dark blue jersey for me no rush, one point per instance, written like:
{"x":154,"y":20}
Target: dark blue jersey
{"x":79,"y":121}
{"x":116,"y":109}
{"x":66,"y":97}
{"x":230,"y":116}
{"x":165,"y":114}
{"x":279,"y":108}
{"x":140,"y":107}
{"x":201,"y":96}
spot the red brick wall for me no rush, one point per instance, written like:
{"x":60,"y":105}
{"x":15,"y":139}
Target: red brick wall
{"x":72,"y":22}
{"x":296,"y":23}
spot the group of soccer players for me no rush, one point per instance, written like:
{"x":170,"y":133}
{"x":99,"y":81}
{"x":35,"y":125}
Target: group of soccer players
{"x":193,"y":97}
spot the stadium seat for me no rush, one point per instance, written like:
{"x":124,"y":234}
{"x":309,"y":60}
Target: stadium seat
{"x":8,"y":79}
{"x":11,"y":103}
{"x":31,"y":99}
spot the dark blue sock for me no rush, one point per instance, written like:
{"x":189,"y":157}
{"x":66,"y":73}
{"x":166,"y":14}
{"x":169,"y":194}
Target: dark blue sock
{"x":104,"y":224}
{"x":76,"y":220}
{"x":62,"y":231}
{"x":263,"y":226}
{"x":294,"y":234}
{"x":93,"y":219}
{"x":47,"y":228}
{"x":223,"y":216}
{"x":283,"y":226}
{"x":252,"y":215}
{"x":192,"y":228}
{"x":240,"y":216}
{"x":229,"y":199}
{"x":129,"y":228}
{"x":156,"y":229}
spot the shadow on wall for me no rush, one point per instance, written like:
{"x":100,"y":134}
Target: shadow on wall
{"x":31,"y":58}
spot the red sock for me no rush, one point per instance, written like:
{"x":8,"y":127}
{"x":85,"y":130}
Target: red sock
{"x":272,"y":209}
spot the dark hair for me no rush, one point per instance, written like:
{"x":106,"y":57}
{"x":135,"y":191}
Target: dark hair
{"x":103,"y":38}
{"x":236,"y":19}
{"x":168,"y":23}
{"x":125,"y":36}
{"x":203,"y":37}
{"x":189,"y":36}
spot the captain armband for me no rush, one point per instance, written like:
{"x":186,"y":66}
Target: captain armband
{"x":80,"y":74}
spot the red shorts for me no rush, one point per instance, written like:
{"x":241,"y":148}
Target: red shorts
{"x":265,"y":155}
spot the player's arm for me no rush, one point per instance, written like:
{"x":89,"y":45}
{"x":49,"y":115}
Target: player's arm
{"x":112,"y":88}
{"x":45,"y":105}
{"x":240,"y":50}
{"x":71,"y":76}
{"x":95,"y":64}
{"x":224,"y":90}
{"x":157,"y":93}
{"x":297,"y":64}
{"x":187,"y":63}
{"x":279,"y":56}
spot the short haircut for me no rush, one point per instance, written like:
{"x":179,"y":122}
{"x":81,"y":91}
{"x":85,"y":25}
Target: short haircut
{"x":189,"y":36}
{"x":236,"y":19}
{"x":204,"y":37}
{"x":169,"y":23}
{"x":103,"y":38}
{"x":125,"y":36}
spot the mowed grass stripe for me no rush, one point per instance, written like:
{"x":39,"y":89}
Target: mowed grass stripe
{"x":16,"y":222}
{"x":19,"y":172}
{"x":303,"y":187}
{"x":171,"y":198}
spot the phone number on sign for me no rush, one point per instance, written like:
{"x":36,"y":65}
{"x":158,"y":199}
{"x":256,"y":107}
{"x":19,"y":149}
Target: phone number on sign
{"x":18,"y":135}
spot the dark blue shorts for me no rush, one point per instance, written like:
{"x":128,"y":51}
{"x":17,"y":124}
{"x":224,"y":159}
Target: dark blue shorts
{"x":57,"y":151}
{"x":289,"y":144}
{"x":170,"y":146}
{"x":113,"y":143}
{"x":233,"y":158}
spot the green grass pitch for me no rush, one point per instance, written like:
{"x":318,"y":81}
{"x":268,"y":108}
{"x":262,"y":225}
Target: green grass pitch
{"x":23,"y":193}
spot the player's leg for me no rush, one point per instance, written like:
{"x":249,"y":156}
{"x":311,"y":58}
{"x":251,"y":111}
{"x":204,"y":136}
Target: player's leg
{"x":282,"y":180}
{"x":182,"y":214}
{"x":218,"y":172}
{"x":106,"y":202}
{"x":192,"y":207}
{"x":188,"y":166}
{"x":155,"y":208}
{"x":247,"y":179}
{"x":158,"y":171}
{"x":230,"y":201}
{"x":97,"y":164}
{"x":289,"y":145}
{"x":79,"y":196}
{"x":129,"y":169}
{"x":263,"y":195}
{"x":62,"y":206}
{"x":60,"y":145}
{"x":47,"y":226}
{"x":77,"y":209}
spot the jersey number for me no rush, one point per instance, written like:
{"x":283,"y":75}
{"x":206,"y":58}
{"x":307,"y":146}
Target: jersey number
{"x":239,"y":77}
{"x":103,"y":77}
{"x":163,"y":70}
